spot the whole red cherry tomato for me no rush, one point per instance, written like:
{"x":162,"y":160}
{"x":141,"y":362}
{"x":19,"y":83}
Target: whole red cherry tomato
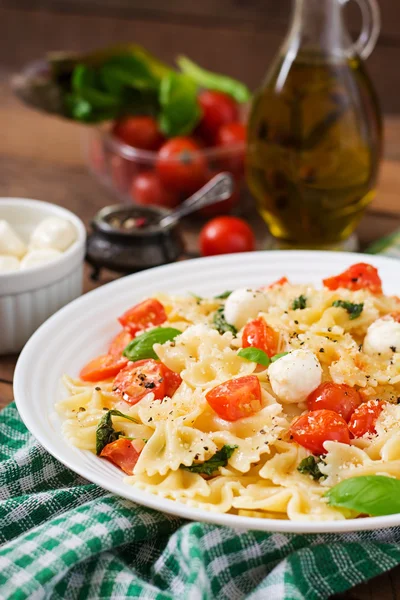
{"x":138,"y":132}
{"x":232,"y":137}
{"x":225,"y":235}
{"x":364,"y":418}
{"x":181,"y":165}
{"x":218,"y":109}
{"x":147,"y":189}
{"x":318,"y":426}
{"x":231,"y":133}
{"x":340,"y":398}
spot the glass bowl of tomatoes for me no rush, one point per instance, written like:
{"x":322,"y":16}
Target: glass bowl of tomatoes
{"x":141,"y":166}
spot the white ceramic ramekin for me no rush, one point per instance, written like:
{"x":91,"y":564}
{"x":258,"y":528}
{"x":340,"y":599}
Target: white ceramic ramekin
{"x":29,"y":297}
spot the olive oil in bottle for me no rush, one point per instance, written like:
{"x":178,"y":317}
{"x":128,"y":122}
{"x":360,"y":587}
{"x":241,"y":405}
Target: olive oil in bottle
{"x":314,"y":134}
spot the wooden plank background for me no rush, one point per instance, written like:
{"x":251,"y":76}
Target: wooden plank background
{"x":239,"y":37}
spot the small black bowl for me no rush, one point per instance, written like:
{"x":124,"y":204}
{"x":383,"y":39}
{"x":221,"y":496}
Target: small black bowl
{"x":129,"y":239}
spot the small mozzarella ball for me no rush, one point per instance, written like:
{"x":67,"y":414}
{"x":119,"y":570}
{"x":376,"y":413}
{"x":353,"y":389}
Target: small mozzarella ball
{"x":383,"y":337}
{"x":244,"y":304}
{"x":294,"y":376}
{"x":53,"y":232}
{"x":35,"y":258}
{"x":10,"y":242}
{"x":8,"y":264}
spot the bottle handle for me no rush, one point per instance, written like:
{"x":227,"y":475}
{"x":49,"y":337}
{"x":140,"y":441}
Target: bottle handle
{"x":371,"y":26}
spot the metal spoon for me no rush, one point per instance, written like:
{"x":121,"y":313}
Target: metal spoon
{"x":217,"y":189}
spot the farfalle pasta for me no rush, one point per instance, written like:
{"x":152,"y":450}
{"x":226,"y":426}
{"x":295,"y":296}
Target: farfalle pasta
{"x":257,"y":402}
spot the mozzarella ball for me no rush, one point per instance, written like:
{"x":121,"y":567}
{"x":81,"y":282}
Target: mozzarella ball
{"x":53,"y":232}
{"x":8,"y":264}
{"x":35,"y":258}
{"x":244,"y":304}
{"x":10,"y":242}
{"x":383,"y":337}
{"x":294,"y":376}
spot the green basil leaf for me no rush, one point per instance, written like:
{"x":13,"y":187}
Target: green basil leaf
{"x":196,"y":297}
{"x":85,"y":83}
{"x":278,"y":356}
{"x":214,"y":81}
{"x":255,"y":355}
{"x":299,"y":303}
{"x":224,"y":295}
{"x":354,"y":310}
{"x":180,"y":110}
{"x":142,"y":345}
{"x":310,"y":466}
{"x":105,"y":432}
{"x":374,"y":495}
{"x":221,"y":324}
{"x":127,"y":71}
{"x":219,"y":459}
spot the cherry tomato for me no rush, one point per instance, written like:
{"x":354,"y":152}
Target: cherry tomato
{"x":236,"y":399}
{"x":148,"y":313}
{"x":139,"y":132}
{"x":122,"y":453}
{"x":318,"y":426}
{"x":361,"y":276}
{"x":147,"y":189}
{"x":257,"y":334}
{"x":339,"y":397}
{"x":225,"y":235}
{"x":138,"y":379}
{"x":218,"y":109}
{"x":280,"y":281}
{"x":119,"y":343}
{"x":103,"y":367}
{"x":181,"y":165}
{"x":231,"y":133}
{"x":172,"y":381}
{"x":364,"y":417}
{"x":225,"y":206}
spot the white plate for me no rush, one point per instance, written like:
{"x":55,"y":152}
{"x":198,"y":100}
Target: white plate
{"x":83,"y":329}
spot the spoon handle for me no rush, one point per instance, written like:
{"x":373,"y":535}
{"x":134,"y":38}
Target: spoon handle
{"x":217,"y":189}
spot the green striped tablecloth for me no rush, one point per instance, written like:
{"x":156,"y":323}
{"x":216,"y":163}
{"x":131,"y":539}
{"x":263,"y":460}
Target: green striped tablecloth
{"x":62,"y":537}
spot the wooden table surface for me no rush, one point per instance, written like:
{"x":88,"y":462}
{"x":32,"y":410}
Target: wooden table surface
{"x":40,"y":157}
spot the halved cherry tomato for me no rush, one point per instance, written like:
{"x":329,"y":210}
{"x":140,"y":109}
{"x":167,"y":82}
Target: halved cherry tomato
{"x":122,"y":453}
{"x":148,"y":313}
{"x":361,"y":276}
{"x":218,"y":109}
{"x":139,"y":132}
{"x":237,"y":398}
{"x":103,"y":367}
{"x":119,"y":343}
{"x":339,"y":397}
{"x":172,"y":381}
{"x":364,"y":418}
{"x":138,"y":379}
{"x":181,"y":165}
{"x":257,"y":334}
{"x":147,"y":189}
{"x":318,"y":426}
{"x":224,"y":235}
